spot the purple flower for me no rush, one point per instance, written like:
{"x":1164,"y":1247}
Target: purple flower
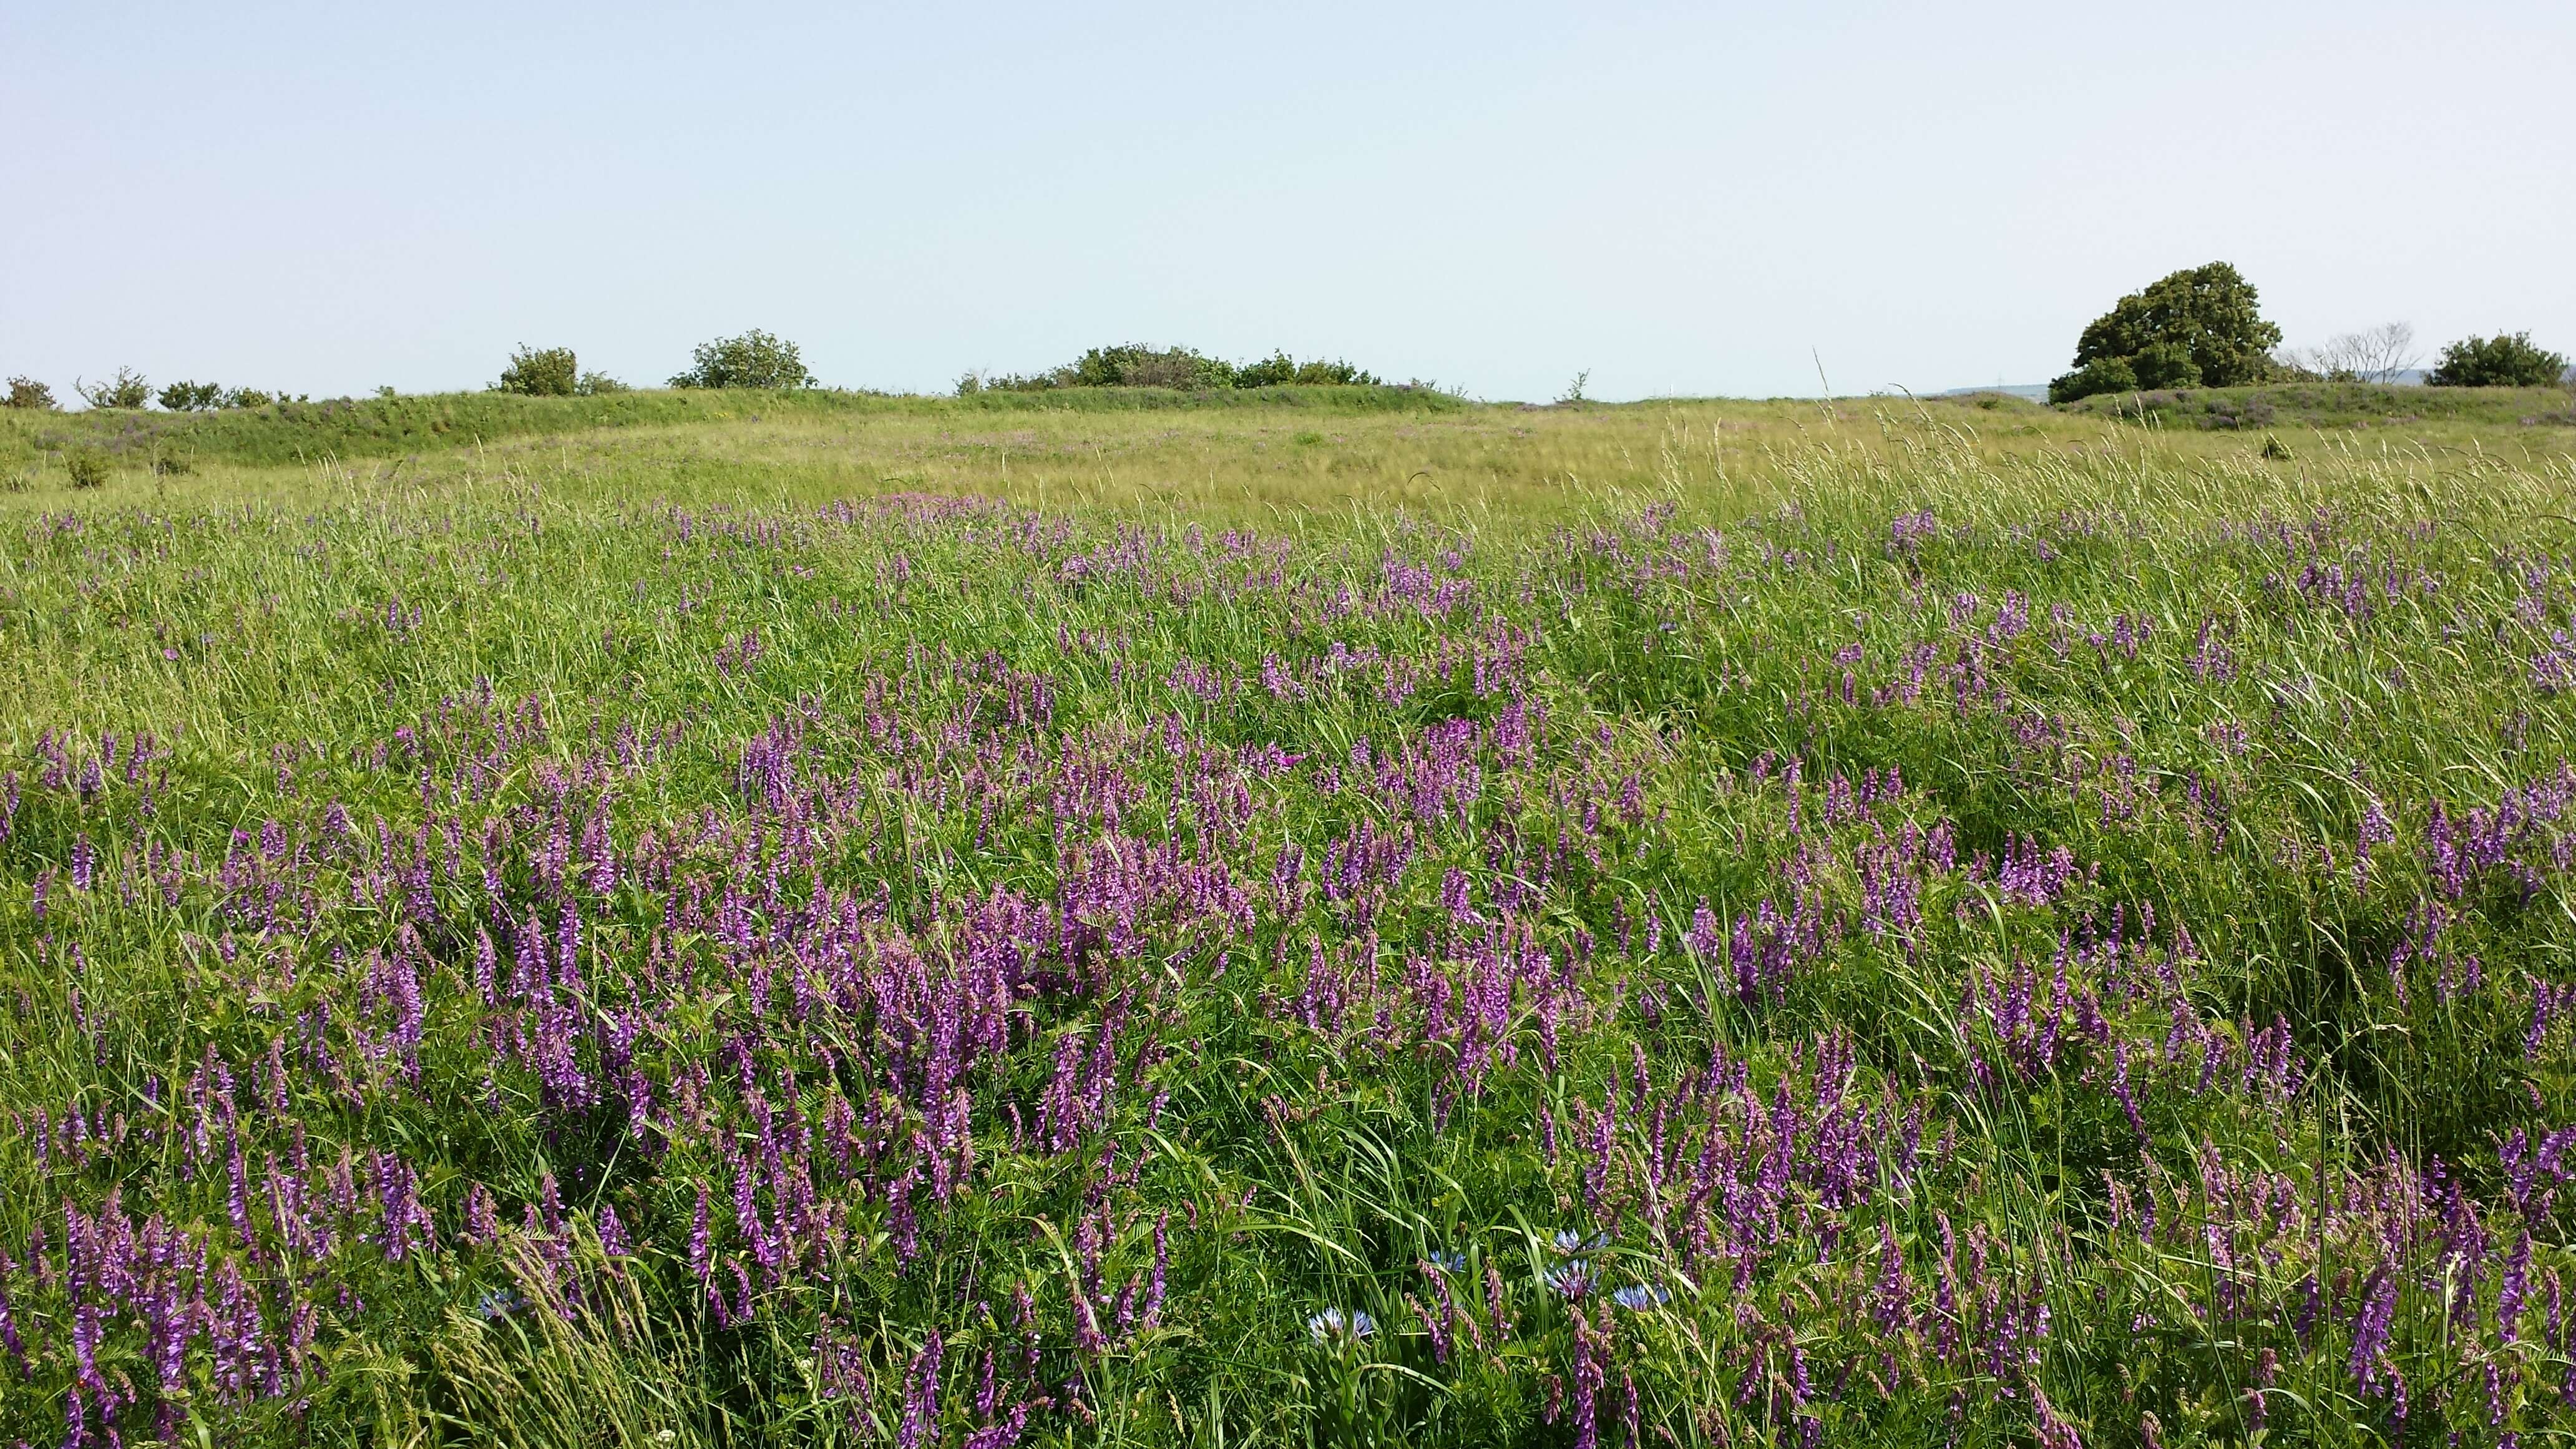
{"x":2370,"y":1330}
{"x":2553,"y":665}
{"x":921,"y":1396}
{"x":612,"y":1235}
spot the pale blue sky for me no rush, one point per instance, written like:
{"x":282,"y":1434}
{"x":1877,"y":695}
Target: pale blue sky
{"x":1682,"y":199}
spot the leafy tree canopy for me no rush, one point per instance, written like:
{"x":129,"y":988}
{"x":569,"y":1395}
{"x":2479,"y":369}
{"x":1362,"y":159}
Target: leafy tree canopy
{"x":2499,"y":361}
{"x":541,"y":372}
{"x":1133,"y":364}
{"x":2202,"y":327}
{"x":755,"y":359}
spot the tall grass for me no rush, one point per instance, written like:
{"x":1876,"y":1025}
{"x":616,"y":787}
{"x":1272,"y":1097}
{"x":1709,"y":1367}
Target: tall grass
{"x":1835,"y":928}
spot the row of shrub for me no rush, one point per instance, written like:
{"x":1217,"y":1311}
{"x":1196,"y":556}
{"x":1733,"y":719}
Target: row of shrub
{"x":2204,"y":327}
{"x":552,"y":372}
{"x":130,"y":391}
{"x":755,"y":359}
{"x":2504,"y":360}
{"x":2498,"y":361}
{"x":1132,"y":364}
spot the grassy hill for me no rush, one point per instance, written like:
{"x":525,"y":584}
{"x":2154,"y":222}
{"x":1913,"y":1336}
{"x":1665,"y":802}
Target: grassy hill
{"x":2338,"y":405}
{"x":356,"y":428}
{"x":1351,"y":919}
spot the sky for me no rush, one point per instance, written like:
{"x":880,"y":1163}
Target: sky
{"x":1706,"y":199}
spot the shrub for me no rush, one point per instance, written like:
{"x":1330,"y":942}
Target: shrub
{"x":1133,"y":364}
{"x":29,"y":394}
{"x":1276,"y":370}
{"x":2381,"y":354}
{"x":126,"y":390}
{"x":2201,"y":327}
{"x":1332,"y":374}
{"x":975,"y":382}
{"x":191,"y":397}
{"x":755,"y":359}
{"x":595,"y":384}
{"x":251,"y":397}
{"x":540,"y":372}
{"x":2204,"y":408}
{"x":87,"y":467}
{"x":2499,"y":361}
{"x":2101,"y":375}
{"x":1279,"y":370}
{"x":2167,"y":364}
{"x":2252,"y":411}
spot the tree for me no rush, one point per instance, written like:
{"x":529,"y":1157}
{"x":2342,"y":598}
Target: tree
{"x":2498,"y":361}
{"x":541,"y":372}
{"x":2197,"y":328}
{"x":755,"y":359}
{"x":1133,"y":364}
{"x":27,"y":393}
{"x":191,"y":397}
{"x":125,"y":390}
{"x":1279,"y":369}
{"x":2380,"y":354}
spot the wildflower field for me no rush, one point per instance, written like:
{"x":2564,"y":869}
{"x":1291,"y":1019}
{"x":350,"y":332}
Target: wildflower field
{"x":1410,"y":923}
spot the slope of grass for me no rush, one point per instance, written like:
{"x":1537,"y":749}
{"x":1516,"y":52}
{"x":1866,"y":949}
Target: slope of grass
{"x":361,"y":428}
{"x":1245,"y":460}
{"x":1765,"y":924}
{"x":2338,"y":405}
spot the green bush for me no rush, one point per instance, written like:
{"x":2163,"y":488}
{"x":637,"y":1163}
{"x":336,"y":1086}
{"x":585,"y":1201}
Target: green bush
{"x":541,"y":372}
{"x":1276,"y":370}
{"x":1281,"y":370}
{"x":2101,"y":375}
{"x":251,"y":397}
{"x":1132,"y":364}
{"x":127,"y":390}
{"x":598,"y":384}
{"x":1336,"y":373}
{"x":2202,"y":327}
{"x":755,"y":359}
{"x":2168,"y":364}
{"x":2499,"y":361}
{"x":192,"y":397}
{"x":87,"y":467}
{"x":29,"y":394}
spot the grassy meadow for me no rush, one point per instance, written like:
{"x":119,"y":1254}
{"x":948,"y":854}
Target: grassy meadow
{"x":1324,"y":916}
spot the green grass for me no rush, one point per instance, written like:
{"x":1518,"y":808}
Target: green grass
{"x":2341,"y":405}
{"x":367,"y":428}
{"x":1288,"y":826}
